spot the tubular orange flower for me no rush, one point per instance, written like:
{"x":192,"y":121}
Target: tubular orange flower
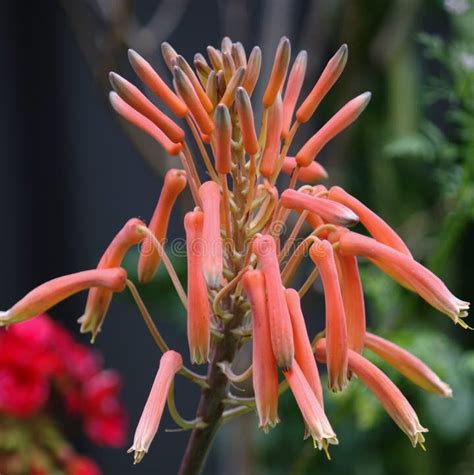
{"x":329,"y":76}
{"x":229,"y":94}
{"x":293,"y":88}
{"x":154,"y":82}
{"x":322,"y":255}
{"x":330,"y":211}
{"x":246,"y":121}
{"x":272,"y":142}
{"x":313,"y":173}
{"x":278,"y":74}
{"x":149,"y":260}
{"x":408,"y":273}
{"x":199,"y":327}
{"x":253,"y":70}
{"x":215,"y":57}
{"x":212,"y":259}
{"x":264,"y":368}
{"x":317,"y":424}
{"x":191,"y":99}
{"x":130,"y":94}
{"x":211,"y":88}
{"x":98,"y":300}
{"x":169,"y":55}
{"x":223,"y":138}
{"x":140,"y":121}
{"x":391,"y":398}
{"x":170,"y":363}
{"x":184,"y":66}
{"x":336,"y":124}
{"x":280,"y":322}
{"x":303,"y":352}
{"x":376,"y":226}
{"x":238,"y":55}
{"x":47,"y":295}
{"x":229,"y":65}
{"x":202,"y":68}
{"x":407,"y":364}
{"x":353,"y":298}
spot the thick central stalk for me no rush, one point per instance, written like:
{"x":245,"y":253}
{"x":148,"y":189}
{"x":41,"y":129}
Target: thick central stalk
{"x":211,"y":407}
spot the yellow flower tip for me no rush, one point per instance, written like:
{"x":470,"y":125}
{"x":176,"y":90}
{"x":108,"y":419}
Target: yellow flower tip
{"x":138,"y":454}
{"x":417,"y":437}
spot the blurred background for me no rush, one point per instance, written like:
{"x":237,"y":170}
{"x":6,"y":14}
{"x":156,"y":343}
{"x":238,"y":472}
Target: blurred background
{"x":71,"y":174}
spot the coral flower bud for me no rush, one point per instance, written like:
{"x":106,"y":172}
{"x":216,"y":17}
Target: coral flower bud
{"x":191,"y":99}
{"x":47,"y":295}
{"x":140,"y":121}
{"x":169,"y":55}
{"x":223,"y":139}
{"x":229,"y":66}
{"x":408,"y":273}
{"x":234,"y":83}
{"x":212,"y":88}
{"x":279,"y":317}
{"x":246,"y":121}
{"x":202,"y":68}
{"x":212,"y":260}
{"x":226,"y":44}
{"x":98,"y":300}
{"x":215,"y":57}
{"x":264,"y":368}
{"x":130,"y":94}
{"x":238,"y":55}
{"x":271,"y":149}
{"x":338,"y":214}
{"x":317,"y":424}
{"x":149,"y":260}
{"x":184,"y":66}
{"x":407,"y":364}
{"x":170,"y":363}
{"x":329,"y":76}
{"x":293,"y":88}
{"x":322,"y":255}
{"x":273,"y":135}
{"x":353,"y":298}
{"x":336,"y":124}
{"x":199,"y":329}
{"x":376,"y":226}
{"x":153,"y":81}
{"x":311,"y":174}
{"x":278,"y":74}
{"x":391,"y":398}
{"x":253,"y":70}
{"x":303,"y":351}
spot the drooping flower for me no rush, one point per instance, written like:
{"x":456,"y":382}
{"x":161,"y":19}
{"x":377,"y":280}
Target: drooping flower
{"x":407,"y":364}
{"x":149,"y":260}
{"x":391,"y":398}
{"x":264,"y":367}
{"x":353,"y":298}
{"x":407,"y":272}
{"x":98,"y":300}
{"x":170,"y":363}
{"x":376,"y":226}
{"x":317,"y":424}
{"x":212,"y":246}
{"x":47,"y":295}
{"x":303,"y":351}
{"x":312,"y":173}
{"x":279,"y":317}
{"x":330,"y":211}
{"x":322,"y":255}
{"x":198,"y":304}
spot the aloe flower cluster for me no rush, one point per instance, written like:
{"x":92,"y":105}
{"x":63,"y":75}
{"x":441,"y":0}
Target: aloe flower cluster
{"x":259,"y":211}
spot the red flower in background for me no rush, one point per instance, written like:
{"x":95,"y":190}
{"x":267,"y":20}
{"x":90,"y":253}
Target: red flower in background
{"x":39,"y":358}
{"x":82,"y":466}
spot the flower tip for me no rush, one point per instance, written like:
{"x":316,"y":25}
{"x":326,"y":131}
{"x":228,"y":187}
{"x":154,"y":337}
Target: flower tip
{"x":4,"y":316}
{"x":138,"y":454}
